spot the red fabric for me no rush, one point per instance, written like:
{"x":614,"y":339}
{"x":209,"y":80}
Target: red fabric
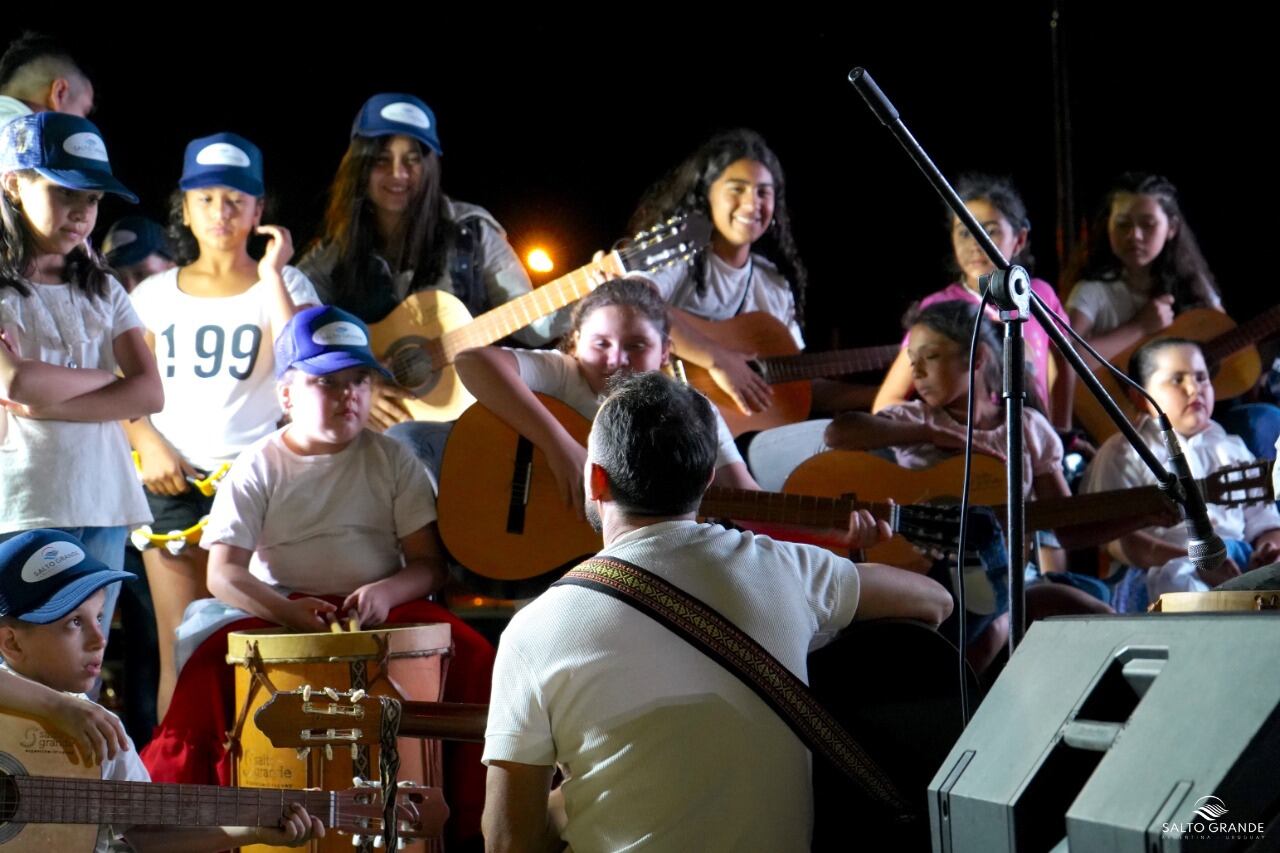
{"x":188,"y":744}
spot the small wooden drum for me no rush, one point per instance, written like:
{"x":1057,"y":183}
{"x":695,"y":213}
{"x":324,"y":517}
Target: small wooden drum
{"x":405,"y":662}
{"x":1218,"y":601}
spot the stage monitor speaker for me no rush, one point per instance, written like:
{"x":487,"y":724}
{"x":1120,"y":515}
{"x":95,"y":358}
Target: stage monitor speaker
{"x":1147,"y":733}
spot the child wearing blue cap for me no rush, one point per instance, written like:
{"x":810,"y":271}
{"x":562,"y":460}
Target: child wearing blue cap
{"x":136,"y":248}
{"x":390,"y":231}
{"x":73,"y":359}
{"x":211,"y":322}
{"x":322,"y":518}
{"x":52,"y":597}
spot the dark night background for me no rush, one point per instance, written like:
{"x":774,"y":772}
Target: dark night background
{"x":558,"y":128}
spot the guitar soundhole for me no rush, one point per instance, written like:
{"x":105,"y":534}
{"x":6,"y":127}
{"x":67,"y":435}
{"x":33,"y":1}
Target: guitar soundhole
{"x":8,"y":799}
{"x":412,"y":365}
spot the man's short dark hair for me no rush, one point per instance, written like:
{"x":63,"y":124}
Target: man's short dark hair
{"x":29,"y":48}
{"x":656,"y":441}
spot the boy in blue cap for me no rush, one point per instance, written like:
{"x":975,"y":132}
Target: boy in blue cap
{"x":322,"y":518}
{"x":52,"y":596}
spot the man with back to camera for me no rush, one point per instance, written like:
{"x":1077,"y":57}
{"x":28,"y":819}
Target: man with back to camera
{"x":660,"y":747}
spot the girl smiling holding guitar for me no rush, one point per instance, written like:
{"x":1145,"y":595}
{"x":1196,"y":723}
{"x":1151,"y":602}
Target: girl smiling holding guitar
{"x":390,"y":231}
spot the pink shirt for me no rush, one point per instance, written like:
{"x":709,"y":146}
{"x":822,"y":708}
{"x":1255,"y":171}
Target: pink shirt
{"x":1041,"y":449}
{"x":1035,"y":339}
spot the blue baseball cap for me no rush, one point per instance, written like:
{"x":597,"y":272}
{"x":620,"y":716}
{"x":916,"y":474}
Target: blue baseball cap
{"x":45,"y":574}
{"x":222,"y":160}
{"x":323,"y":339}
{"x":66,"y":149}
{"x":397,"y":114}
{"x":133,"y":238}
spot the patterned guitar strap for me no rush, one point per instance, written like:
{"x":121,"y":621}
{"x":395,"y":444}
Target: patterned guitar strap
{"x":709,"y":632}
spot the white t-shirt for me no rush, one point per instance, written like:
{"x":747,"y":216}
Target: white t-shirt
{"x":1110,"y":303}
{"x":125,"y":767}
{"x":556,"y":374}
{"x":11,"y":108}
{"x":216,"y":362}
{"x":1042,"y":449}
{"x":730,"y":291}
{"x":661,"y":747}
{"x":65,"y":473}
{"x":322,"y":525}
{"x":1117,"y":466}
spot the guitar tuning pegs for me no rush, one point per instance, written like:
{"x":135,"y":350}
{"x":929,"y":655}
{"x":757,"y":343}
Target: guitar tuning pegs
{"x":306,"y":693}
{"x":357,"y":840}
{"x":355,"y":752}
{"x":357,"y":695}
{"x":405,"y":784}
{"x":303,"y":752}
{"x":378,"y":841}
{"x":401,"y":843}
{"x":331,"y":693}
{"x":328,"y":752}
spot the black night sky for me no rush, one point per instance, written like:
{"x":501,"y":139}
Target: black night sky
{"x":559,"y":127}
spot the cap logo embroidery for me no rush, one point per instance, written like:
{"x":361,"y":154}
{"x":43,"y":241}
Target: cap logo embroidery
{"x":340,"y":333}
{"x":51,"y":560}
{"x":120,"y":239}
{"x":406,"y":113}
{"x":86,"y":145}
{"x":222,"y":154}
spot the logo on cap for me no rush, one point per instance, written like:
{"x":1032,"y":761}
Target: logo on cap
{"x":340,"y":333}
{"x":406,"y":113}
{"x":50,"y":560}
{"x":85,"y":144}
{"x":222,"y":154}
{"x":121,"y":238}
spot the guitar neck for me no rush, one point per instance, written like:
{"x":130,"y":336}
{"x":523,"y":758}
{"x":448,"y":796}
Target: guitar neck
{"x":45,"y":799}
{"x":817,"y":365}
{"x":511,"y":317}
{"x":1244,"y":335}
{"x":446,"y":720}
{"x":795,"y":510}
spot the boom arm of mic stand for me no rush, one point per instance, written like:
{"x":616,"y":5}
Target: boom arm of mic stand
{"x":1164,"y":477}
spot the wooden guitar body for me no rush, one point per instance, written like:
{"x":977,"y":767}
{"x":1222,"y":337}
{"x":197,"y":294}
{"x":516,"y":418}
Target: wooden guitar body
{"x":1236,"y":366}
{"x":406,"y":336}
{"x":763,"y":335}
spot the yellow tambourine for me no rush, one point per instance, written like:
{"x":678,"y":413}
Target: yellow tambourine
{"x":206,"y":486}
{"x":173,"y":541}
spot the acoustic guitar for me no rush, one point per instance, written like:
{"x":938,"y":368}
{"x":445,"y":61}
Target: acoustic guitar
{"x":907,"y":725}
{"x":52,"y":800}
{"x":780,"y":363}
{"x":1228,"y":351}
{"x":501,"y":515}
{"x":844,"y":472}
{"x":420,"y":339}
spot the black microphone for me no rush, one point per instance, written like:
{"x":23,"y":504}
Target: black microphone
{"x":1204,"y":546}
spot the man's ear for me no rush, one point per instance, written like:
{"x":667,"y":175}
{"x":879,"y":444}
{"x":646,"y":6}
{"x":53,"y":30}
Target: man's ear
{"x":11,"y":645}
{"x":597,"y":484}
{"x":59,"y":93}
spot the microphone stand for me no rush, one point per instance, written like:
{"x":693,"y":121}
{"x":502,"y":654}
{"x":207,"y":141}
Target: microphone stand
{"x":1010,"y":289}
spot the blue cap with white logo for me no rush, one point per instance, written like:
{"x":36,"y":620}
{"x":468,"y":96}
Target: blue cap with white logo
{"x":323,"y":339}
{"x":133,"y":238}
{"x":396,"y":114}
{"x":45,"y":574}
{"x":222,"y":160}
{"x":66,"y":149}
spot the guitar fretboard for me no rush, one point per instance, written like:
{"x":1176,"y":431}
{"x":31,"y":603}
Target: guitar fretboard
{"x":814,"y":365}
{"x":1244,"y":335}
{"x":43,"y":799}
{"x":798,"y":510}
{"x":511,"y":317}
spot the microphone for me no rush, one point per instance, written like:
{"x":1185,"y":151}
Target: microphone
{"x":1204,"y":546}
